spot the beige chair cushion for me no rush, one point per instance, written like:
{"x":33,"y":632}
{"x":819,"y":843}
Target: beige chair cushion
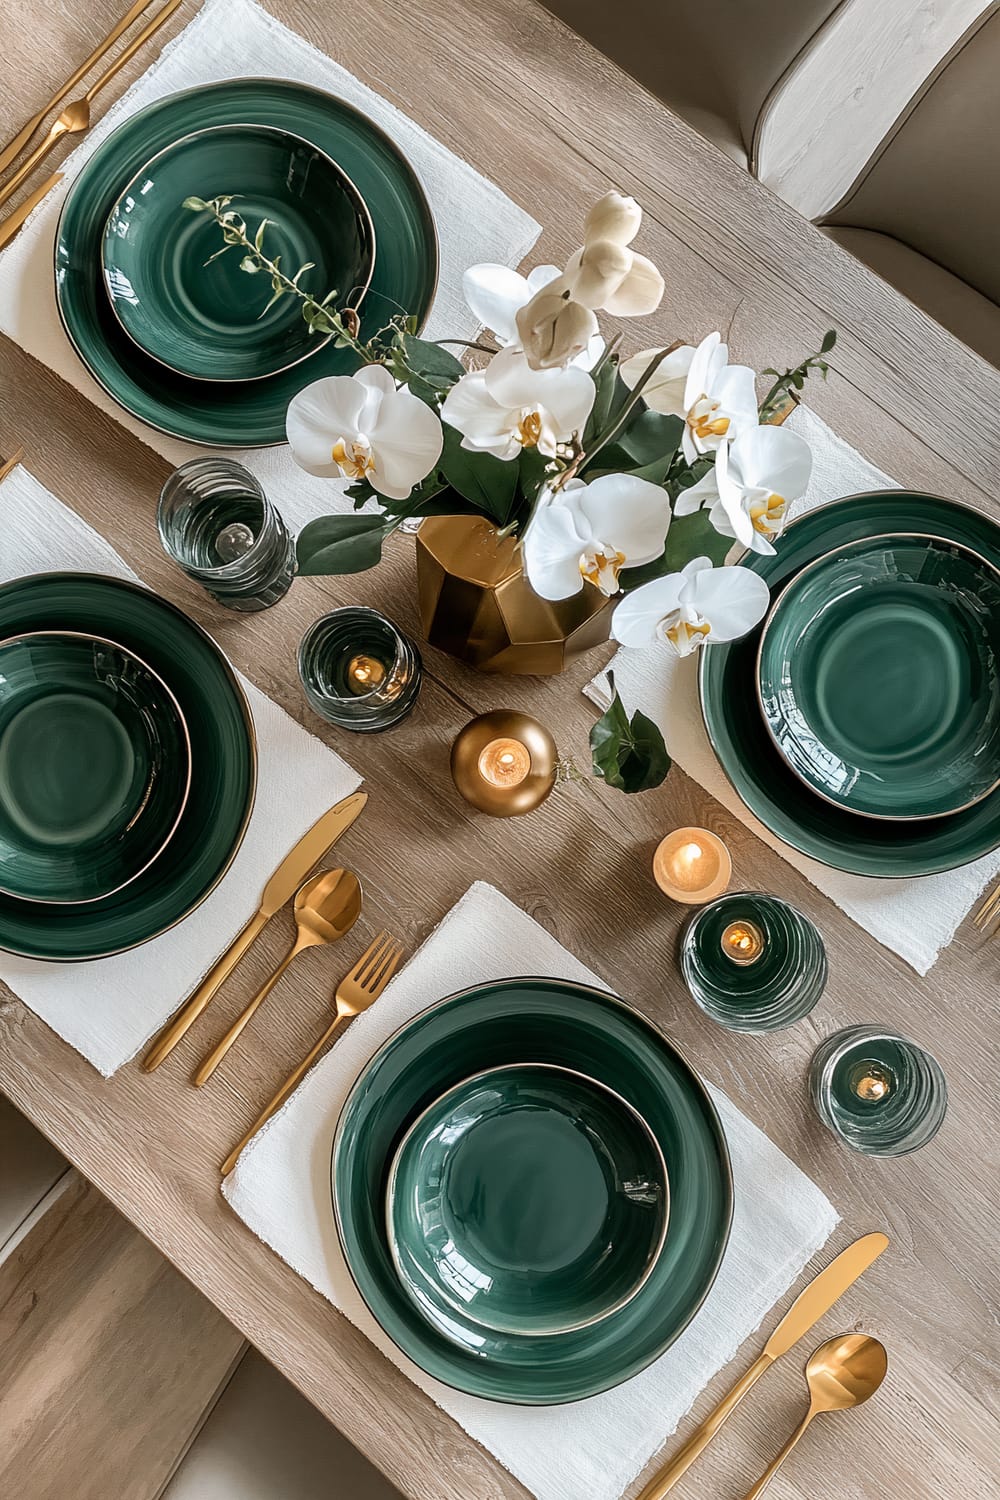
{"x":29,"y":1167}
{"x":934,"y":186}
{"x":713,"y":61}
{"x":965,"y":312}
{"x":263,"y":1441}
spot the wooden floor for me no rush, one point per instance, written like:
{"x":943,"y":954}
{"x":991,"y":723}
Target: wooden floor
{"x":555,"y":125}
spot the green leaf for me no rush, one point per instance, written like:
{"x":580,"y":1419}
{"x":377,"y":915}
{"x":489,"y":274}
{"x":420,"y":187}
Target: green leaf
{"x":829,"y":339}
{"x":443,"y":502}
{"x":259,"y":237}
{"x":437,"y":366}
{"x":650,"y":436}
{"x":341,"y":544}
{"x":196,"y":204}
{"x":249,"y":265}
{"x":628,"y":754}
{"x":490,"y":484}
{"x":606,"y":382}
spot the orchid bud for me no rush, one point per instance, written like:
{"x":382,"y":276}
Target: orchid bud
{"x":639,"y":292}
{"x":596,"y":272}
{"x":554,"y":329}
{"x":613,"y":217}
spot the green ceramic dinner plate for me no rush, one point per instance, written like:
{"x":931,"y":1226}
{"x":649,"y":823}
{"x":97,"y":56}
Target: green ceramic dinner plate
{"x":566,"y":1025}
{"x":879,"y":676}
{"x":771,"y":790}
{"x":529,"y":1198}
{"x":223,"y":758}
{"x":200,"y":313}
{"x":248,"y":414}
{"x":95,"y":766}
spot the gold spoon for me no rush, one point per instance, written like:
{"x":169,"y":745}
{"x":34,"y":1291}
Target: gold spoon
{"x":841,"y":1373}
{"x":326,"y":907}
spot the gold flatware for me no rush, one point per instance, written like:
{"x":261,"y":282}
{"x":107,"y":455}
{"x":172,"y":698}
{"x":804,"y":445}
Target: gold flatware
{"x":326,"y":907}
{"x":17,"y":145}
{"x":989,"y":909}
{"x":295,"y":866}
{"x":809,"y":1306}
{"x":841,"y":1374}
{"x":75,"y":118}
{"x":356,"y":992}
{"x":11,"y":463}
{"x":14,"y":220}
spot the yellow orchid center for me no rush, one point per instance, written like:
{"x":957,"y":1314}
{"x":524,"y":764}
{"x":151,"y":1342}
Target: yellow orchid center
{"x":356,"y":464}
{"x":529,"y":429}
{"x":764,"y":514}
{"x":601,"y":568}
{"x":702,"y":419}
{"x":682,"y":632}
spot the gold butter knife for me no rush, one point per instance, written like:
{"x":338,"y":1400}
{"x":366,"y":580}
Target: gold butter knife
{"x":283,"y":884}
{"x":807,"y":1309}
{"x":12,"y":224}
{"x":17,"y":145}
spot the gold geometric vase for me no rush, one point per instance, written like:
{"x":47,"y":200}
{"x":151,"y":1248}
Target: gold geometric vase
{"x":476,"y":604}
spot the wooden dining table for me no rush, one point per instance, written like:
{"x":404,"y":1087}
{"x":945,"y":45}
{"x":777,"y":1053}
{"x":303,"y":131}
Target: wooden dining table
{"x":555,"y":124}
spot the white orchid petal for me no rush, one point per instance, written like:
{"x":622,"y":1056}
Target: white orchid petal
{"x":317,"y":416}
{"x":551,"y":552}
{"x":406,"y":441}
{"x":639,"y":613}
{"x":735,"y":390}
{"x":566,"y":394}
{"x":495,"y":293}
{"x":664,"y":391}
{"x":733,"y":600}
{"x":697,"y":495}
{"x":598,"y":272}
{"x":541,"y":276}
{"x":485,"y":425}
{"x":772,"y":459}
{"x":630,"y":514}
{"x":639,"y":293}
{"x":709,"y":357}
{"x":732,"y":498}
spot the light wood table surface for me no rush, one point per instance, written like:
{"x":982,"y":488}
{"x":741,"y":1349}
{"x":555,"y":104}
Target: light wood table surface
{"x":555,"y":125}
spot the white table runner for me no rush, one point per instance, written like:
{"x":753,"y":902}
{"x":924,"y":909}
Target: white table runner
{"x":592,"y":1448}
{"x":108,"y":1008}
{"x":915,"y":918}
{"x":237,"y":39}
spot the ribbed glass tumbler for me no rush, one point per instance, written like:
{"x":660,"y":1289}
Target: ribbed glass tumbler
{"x":880,"y":1093}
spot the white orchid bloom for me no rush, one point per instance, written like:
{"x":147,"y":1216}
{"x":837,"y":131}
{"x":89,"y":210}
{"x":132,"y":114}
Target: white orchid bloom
{"x":589,"y":532}
{"x":755,"y":482}
{"x":362,"y":426}
{"x":687,"y":609}
{"x":510,"y":406}
{"x":717,"y":402}
{"x":496,"y":295}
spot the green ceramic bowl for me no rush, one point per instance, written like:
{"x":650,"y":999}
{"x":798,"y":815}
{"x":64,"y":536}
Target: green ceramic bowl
{"x":879,"y":677}
{"x":570,"y":1026}
{"x":95,"y":767}
{"x":223,"y":757}
{"x":236,"y":414}
{"x":746,"y":752}
{"x":529,"y":1198}
{"x":206,"y":317}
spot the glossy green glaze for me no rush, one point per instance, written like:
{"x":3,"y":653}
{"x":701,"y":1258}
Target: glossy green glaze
{"x":879,"y":672}
{"x":529,"y":1198}
{"x":728,"y":683}
{"x":208,"y":318}
{"x":567,"y":1025}
{"x":223,"y":757}
{"x":252,"y":414}
{"x":779,"y":987}
{"x":95,"y":767}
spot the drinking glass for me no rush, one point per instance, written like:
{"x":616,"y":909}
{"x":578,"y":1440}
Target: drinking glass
{"x":880,"y":1093}
{"x":358,"y":671}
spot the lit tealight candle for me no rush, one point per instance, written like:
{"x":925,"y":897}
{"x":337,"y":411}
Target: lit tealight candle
{"x":364,"y":673}
{"x":504,"y":763}
{"x":871,"y":1082}
{"x":743,"y":942}
{"x":692,"y":865}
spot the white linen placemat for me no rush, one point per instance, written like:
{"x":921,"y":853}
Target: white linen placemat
{"x":915,"y":918}
{"x":594,"y":1448}
{"x":237,"y":39}
{"x":108,"y":1008}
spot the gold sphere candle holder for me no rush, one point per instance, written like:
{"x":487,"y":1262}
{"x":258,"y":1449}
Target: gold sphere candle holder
{"x":692,"y":865}
{"x":504,"y":763}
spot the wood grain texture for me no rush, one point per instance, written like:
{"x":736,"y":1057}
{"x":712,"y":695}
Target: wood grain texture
{"x":110,"y":1358}
{"x":536,"y":109}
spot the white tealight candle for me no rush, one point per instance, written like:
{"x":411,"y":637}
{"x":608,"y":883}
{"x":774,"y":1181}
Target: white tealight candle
{"x":692,"y":865}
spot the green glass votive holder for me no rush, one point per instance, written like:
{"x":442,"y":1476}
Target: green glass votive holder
{"x":753,"y":962}
{"x":878,"y":1092}
{"x":358,"y":671}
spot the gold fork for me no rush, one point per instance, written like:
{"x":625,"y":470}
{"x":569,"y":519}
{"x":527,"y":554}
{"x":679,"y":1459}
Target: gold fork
{"x":75,"y":118}
{"x":989,"y":909}
{"x":356,"y":992}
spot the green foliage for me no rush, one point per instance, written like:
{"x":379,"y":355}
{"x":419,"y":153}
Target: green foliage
{"x":787,"y":381}
{"x":342,"y":544}
{"x":628,"y":754}
{"x":491,"y":484}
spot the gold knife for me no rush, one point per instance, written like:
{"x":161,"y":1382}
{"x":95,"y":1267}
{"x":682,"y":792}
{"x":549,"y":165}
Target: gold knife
{"x":17,"y":145}
{"x":807,"y":1309}
{"x":285,"y":881}
{"x":12,"y":224}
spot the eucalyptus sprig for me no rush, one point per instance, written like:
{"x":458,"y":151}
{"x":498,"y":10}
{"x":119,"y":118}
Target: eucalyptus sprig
{"x":321,"y":317}
{"x":787,"y":381}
